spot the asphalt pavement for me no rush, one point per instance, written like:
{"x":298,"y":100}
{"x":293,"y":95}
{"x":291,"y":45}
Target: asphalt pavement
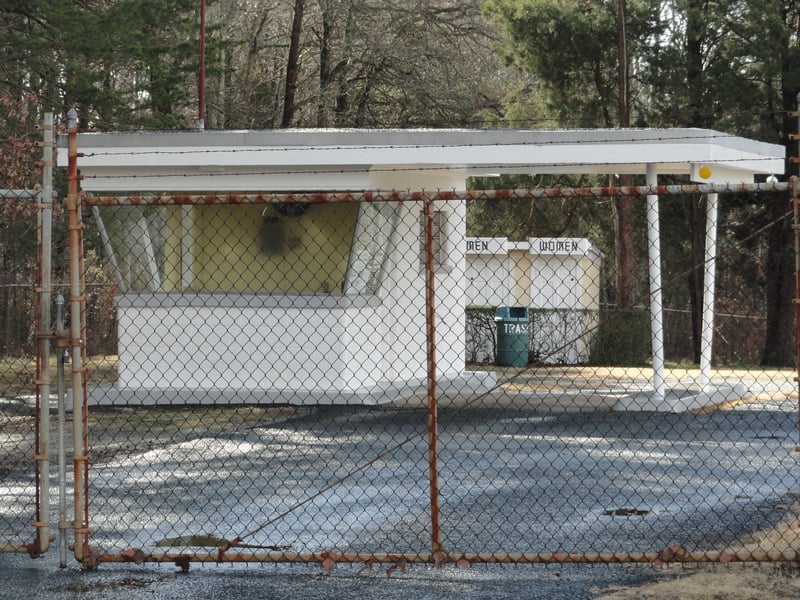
{"x":524,"y":480}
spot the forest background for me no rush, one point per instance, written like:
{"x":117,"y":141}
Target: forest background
{"x":730,"y":65}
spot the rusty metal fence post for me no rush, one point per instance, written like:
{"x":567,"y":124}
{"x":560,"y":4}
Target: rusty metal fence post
{"x":433,"y":418}
{"x":76,"y":332}
{"x":796,"y":226}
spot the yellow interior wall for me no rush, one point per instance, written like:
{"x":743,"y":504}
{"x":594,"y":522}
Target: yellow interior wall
{"x":172,"y":250}
{"x":312,"y":258}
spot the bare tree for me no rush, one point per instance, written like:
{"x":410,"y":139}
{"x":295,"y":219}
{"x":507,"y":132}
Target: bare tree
{"x":360,"y":63}
{"x":292,"y":65}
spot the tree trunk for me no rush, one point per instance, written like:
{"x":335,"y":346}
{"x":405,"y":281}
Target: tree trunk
{"x":625,"y":255}
{"x":291,"y":65}
{"x":695,"y":82}
{"x":779,"y":344}
{"x":623,"y":104}
{"x":342,"y":102}
{"x":325,"y":68}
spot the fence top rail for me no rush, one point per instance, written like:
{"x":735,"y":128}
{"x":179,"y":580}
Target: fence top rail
{"x":435,"y":195}
{"x":19,"y":194}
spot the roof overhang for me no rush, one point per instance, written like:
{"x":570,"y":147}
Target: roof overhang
{"x":306,"y":159}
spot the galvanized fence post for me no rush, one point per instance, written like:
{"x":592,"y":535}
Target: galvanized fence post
{"x":42,"y":427}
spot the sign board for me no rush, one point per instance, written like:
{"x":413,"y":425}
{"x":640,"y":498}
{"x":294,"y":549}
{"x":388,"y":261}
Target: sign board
{"x":485,"y":246}
{"x":574,"y":246}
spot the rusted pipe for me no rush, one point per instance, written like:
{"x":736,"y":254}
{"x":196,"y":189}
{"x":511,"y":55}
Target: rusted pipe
{"x":88,"y":558}
{"x":433,"y":419}
{"x":61,"y":346}
{"x":671,"y":555}
{"x":79,"y":457}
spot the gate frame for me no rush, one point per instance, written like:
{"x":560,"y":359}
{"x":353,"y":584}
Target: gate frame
{"x":437,"y":555}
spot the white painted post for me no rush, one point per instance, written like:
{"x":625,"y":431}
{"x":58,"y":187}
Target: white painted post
{"x":709,"y":282}
{"x":656,"y":318}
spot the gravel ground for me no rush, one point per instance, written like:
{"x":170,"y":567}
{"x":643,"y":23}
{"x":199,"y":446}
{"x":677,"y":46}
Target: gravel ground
{"x":42,"y":580}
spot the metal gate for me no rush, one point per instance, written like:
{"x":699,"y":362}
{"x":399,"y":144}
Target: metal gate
{"x":282,"y":380}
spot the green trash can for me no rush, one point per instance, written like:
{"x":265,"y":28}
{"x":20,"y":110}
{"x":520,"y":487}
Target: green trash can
{"x":512,"y":335}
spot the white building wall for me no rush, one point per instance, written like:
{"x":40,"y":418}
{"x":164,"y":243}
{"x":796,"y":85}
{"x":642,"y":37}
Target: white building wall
{"x":404,"y":286}
{"x":488,"y":281}
{"x":222,"y":347}
{"x":403,"y":292}
{"x":363,"y":346}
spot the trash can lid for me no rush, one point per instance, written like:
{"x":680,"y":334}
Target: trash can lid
{"x":511,"y":313}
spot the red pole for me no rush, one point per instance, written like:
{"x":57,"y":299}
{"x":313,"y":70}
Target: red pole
{"x":201,"y":91}
{"x":796,"y":211}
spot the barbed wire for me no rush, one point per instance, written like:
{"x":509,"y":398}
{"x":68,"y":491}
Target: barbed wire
{"x":411,"y":169}
{"x":685,"y":311}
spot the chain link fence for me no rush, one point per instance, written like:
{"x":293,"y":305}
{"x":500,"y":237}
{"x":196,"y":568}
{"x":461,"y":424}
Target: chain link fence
{"x":18,"y":427}
{"x":336,"y":378}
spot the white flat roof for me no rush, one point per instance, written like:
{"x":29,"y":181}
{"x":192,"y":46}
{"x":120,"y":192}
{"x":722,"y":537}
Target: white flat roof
{"x":349,"y":159}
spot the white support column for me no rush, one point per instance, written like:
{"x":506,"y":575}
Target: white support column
{"x":656,"y":316}
{"x":709,"y":283}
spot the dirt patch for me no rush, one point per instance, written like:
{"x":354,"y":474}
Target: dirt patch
{"x":739,"y":581}
{"x":736,"y":582}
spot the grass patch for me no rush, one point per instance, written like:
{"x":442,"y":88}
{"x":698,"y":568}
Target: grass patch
{"x":18,"y":375}
{"x":161,"y":420}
